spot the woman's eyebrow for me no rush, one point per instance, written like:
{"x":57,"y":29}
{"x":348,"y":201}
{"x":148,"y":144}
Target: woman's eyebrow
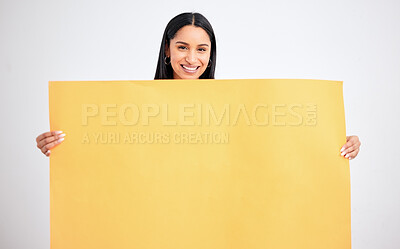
{"x":188,"y":43}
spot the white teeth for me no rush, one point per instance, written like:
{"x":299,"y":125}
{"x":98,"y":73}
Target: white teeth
{"x":190,"y":68}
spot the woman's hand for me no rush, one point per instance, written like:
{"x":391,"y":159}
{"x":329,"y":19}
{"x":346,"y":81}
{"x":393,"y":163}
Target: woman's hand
{"x":48,"y":140}
{"x":351,"y":148}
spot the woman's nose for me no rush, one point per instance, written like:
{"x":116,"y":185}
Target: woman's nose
{"x":191,"y":57}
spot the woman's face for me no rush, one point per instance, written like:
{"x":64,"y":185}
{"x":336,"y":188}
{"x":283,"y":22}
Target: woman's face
{"x":189,"y":52}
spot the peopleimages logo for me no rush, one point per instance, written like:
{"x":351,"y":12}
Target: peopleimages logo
{"x":260,"y":114}
{"x":200,"y":115}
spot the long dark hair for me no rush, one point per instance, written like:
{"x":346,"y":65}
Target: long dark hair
{"x":189,"y":18}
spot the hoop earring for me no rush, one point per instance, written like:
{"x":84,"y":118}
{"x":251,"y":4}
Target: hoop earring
{"x":209,"y":64}
{"x":165,"y":60}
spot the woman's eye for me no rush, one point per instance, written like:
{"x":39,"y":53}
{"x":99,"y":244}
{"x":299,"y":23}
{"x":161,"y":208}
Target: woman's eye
{"x":181,"y":47}
{"x":202,"y":49}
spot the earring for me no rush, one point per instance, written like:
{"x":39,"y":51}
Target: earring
{"x":165,"y":60}
{"x":209,"y":64}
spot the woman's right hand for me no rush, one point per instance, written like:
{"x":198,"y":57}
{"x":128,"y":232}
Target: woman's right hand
{"x":46,"y":141}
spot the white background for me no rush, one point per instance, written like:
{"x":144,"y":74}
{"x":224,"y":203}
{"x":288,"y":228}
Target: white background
{"x":357,"y":42}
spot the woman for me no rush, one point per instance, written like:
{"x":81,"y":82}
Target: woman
{"x":188,"y":51}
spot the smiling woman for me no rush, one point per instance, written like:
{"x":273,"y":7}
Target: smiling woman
{"x":188,"y":49}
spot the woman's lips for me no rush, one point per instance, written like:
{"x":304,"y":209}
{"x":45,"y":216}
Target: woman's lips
{"x":189,"y":69}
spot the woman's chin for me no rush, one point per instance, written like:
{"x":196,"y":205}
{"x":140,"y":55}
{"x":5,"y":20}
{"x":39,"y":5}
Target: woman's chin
{"x":188,"y":77}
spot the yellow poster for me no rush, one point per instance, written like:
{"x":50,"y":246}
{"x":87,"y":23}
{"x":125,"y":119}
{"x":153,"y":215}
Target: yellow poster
{"x":199,"y":164}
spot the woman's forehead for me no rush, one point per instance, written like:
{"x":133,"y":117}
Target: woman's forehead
{"x":192,"y":35}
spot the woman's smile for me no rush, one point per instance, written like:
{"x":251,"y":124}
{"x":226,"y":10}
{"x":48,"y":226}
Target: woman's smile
{"x":190,"y":69}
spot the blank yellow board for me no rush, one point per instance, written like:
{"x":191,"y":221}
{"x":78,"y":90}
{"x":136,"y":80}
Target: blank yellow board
{"x":199,"y":164}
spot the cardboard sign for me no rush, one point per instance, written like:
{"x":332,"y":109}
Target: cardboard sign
{"x":199,"y":164}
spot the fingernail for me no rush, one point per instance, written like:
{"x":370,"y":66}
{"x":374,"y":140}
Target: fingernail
{"x":343,"y":153}
{"x":47,"y":152}
{"x":342,"y":149}
{"x":60,"y":140}
{"x":62,"y":135}
{"x":347,"y":155}
{"x":59,"y":132}
{"x":350,"y":158}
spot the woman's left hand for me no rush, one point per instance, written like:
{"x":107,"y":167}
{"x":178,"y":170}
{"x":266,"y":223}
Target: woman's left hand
{"x":351,"y":148}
